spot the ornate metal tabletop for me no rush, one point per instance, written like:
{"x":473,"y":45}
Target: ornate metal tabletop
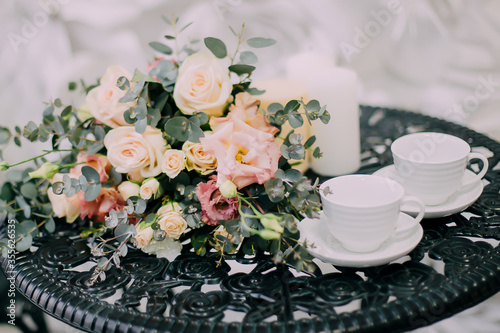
{"x":455,"y":266}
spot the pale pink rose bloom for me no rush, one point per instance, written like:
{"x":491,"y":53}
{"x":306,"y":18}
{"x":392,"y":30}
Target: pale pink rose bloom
{"x":244,"y":154}
{"x":174,"y":161}
{"x":214,"y":206}
{"x":203,"y":85}
{"x":245,"y":107}
{"x":135,"y":153}
{"x":128,"y":189}
{"x":144,"y":236}
{"x":171,"y":221}
{"x":61,"y":204}
{"x":149,"y":188}
{"x":102,"y":101}
{"x":98,"y":162}
{"x":97,"y":210}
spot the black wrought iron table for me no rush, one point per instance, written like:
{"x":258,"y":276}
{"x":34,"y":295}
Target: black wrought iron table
{"x":453,"y":268}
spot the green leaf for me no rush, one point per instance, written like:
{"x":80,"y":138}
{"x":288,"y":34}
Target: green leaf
{"x":92,"y":192}
{"x":72,"y":86}
{"x":160,"y":47}
{"x":31,"y":227}
{"x":216,"y":46}
{"x":185,"y":27}
{"x":310,"y":142}
{"x":195,"y":133}
{"x":317,"y":153}
{"x":123,"y":83}
{"x":295,"y":119}
{"x":169,"y":37}
{"x":50,"y":225}
{"x":178,"y":127}
{"x":325,"y":117}
{"x":274,"y":107}
{"x":255,"y":91}
{"x":140,"y":125}
{"x":66,"y":112}
{"x":292,"y":106}
{"x":248,"y":57}
{"x":24,"y":243}
{"x":29,"y":191}
{"x":259,"y":42}
{"x":140,"y":206}
{"x":91,"y":174}
{"x":24,"y":206}
{"x":138,"y":76}
{"x":123,"y":230}
{"x":241,"y":69}
{"x":49,"y":110}
{"x":5,"y":135}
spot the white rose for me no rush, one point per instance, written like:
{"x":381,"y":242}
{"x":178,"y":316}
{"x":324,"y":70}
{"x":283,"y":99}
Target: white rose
{"x":167,"y":248}
{"x":128,"y":189}
{"x":129,"y":151}
{"x":172,"y":223}
{"x":197,"y":159}
{"x":102,"y":101}
{"x":62,"y":205}
{"x":203,"y":85}
{"x":149,"y":188}
{"x":170,"y":206}
{"x":173,"y":162}
{"x":143,"y":236}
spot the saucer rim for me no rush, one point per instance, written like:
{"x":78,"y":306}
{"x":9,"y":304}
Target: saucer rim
{"x":441,"y":210}
{"x":358,"y":259}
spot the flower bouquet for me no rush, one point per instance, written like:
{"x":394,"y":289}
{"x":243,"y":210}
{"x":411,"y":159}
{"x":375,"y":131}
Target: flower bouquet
{"x":177,"y":158}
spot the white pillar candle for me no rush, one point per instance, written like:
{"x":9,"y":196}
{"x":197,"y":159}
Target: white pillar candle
{"x":338,"y":140}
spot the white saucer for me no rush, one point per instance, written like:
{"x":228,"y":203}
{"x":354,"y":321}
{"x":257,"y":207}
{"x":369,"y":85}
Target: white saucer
{"x":462,"y":199}
{"x":327,"y":248}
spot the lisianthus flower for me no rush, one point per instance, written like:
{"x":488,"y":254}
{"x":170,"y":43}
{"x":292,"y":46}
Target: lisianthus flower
{"x":245,"y":107}
{"x":99,"y":162}
{"x":102,"y":101}
{"x":245,"y":155}
{"x":98,"y":209}
{"x":214,"y":206}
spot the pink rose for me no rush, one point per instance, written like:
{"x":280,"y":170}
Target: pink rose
{"x":214,"y":206}
{"x":245,"y":107}
{"x":245,"y":155}
{"x":97,"y":210}
{"x":99,"y":162}
{"x":102,"y":101}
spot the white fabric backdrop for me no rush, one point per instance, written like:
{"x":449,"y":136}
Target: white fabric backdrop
{"x":427,"y":56}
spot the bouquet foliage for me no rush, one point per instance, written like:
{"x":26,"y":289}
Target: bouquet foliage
{"x":176,"y":158}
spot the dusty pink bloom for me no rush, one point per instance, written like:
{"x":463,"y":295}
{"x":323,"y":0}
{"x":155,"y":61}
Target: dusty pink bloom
{"x":99,"y":162}
{"x":245,"y":155}
{"x":245,"y":107}
{"x":97,"y":210}
{"x":214,"y":206}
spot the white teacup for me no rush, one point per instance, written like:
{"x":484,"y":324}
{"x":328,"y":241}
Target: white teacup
{"x":432,"y":166}
{"x":361,"y":211}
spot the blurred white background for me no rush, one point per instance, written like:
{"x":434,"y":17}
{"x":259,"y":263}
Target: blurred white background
{"x":438,"y":57}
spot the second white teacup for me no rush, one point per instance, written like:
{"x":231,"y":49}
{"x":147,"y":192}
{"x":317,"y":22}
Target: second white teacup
{"x":361,"y":211}
{"x":431,"y":165}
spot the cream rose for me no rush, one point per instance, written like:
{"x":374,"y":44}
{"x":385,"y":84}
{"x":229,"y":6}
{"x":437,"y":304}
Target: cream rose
{"x":128,"y":189}
{"x":62,"y":205}
{"x":203,"y":85}
{"x":143,"y":236}
{"x":197,"y":159}
{"x":102,"y":101}
{"x":170,"y":206}
{"x":149,"y":188}
{"x":173,"y":162}
{"x":171,"y":222}
{"x":129,"y":151}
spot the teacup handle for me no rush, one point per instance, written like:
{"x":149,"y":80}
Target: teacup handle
{"x":482,"y":172}
{"x":420,"y":203}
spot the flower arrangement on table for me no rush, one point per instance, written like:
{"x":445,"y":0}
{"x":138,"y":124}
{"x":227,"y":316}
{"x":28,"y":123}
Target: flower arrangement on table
{"x":178,"y":156}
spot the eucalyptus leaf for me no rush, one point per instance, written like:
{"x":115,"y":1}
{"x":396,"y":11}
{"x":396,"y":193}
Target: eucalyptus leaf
{"x":195,"y":133}
{"x":216,"y":46}
{"x":248,"y":57}
{"x":310,"y":142}
{"x":24,"y":206}
{"x":50,"y":225}
{"x":140,"y":206}
{"x":49,"y":110}
{"x":274,"y":107}
{"x":92,"y":192}
{"x":122,"y":231}
{"x":29,"y":190}
{"x":317,"y":153}
{"x":178,"y":127}
{"x":140,"y":125}
{"x":123,"y":83}
{"x":295,"y":119}
{"x":241,"y":69}
{"x":259,"y":42}
{"x":255,"y":91}
{"x":31,"y":227}
{"x":138,"y":76}
{"x":24,"y":243}
{"x":160,"y":47}
{"x":91,"y":174}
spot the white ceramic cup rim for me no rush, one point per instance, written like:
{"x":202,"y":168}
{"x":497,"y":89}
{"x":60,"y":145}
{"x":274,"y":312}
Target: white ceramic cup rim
{"x":396,"y":188}
{"x":400,"y":150}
